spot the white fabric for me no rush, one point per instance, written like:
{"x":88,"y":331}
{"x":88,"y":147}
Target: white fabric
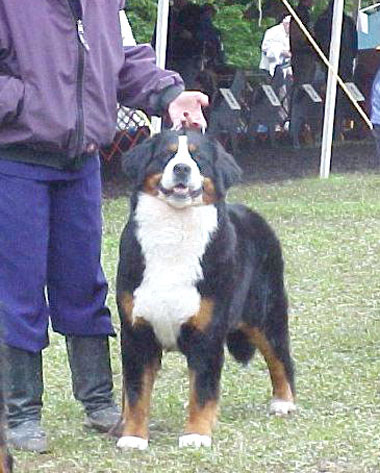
{"x":275,"y":41}
{"x":126,"y":30}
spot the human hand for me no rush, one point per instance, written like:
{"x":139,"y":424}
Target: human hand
{"x":186,"y":110}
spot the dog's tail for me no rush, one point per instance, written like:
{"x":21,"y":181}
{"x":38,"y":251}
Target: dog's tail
{"x":240,"y":347}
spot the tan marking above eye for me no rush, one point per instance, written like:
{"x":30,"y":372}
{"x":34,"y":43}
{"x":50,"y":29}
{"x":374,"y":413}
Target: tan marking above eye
{"x":192,"y":148}
{"x":173,"y":147}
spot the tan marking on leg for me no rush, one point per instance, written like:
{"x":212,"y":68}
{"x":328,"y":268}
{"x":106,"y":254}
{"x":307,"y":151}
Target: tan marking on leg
{"x":151,"y":184}
{"x":281,"y":386}
{"x":201,"y":419}
{"x":203,"y":318}
{"x":125,"y":301}
{"x":136,"y":417}
{"x":209,"y":192}
{"x":4,"y":459}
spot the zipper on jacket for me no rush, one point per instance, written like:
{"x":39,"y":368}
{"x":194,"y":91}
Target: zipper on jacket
{"x":76,"y":11}
{"x":81,"y":35}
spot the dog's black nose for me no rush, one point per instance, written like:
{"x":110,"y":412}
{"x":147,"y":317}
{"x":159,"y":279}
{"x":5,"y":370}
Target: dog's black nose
{"x":182,"y":170}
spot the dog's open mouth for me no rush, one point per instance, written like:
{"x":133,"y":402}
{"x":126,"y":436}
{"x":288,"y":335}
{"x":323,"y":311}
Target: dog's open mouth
{"x":180,"y":191}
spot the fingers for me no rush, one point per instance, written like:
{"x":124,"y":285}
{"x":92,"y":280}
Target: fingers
{"x":186,"y":110}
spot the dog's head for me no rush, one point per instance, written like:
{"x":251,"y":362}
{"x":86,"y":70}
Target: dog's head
{"x":182,"y":169}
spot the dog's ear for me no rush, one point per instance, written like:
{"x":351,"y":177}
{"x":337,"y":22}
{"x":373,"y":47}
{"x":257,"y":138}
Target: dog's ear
{"x":135,"y":161}
{"x":227,"y":170}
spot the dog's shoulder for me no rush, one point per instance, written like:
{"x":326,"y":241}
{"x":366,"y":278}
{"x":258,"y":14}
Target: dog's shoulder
{"x":131,"y":260}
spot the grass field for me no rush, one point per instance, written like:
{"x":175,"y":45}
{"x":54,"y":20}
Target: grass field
{"x":330,"y":231}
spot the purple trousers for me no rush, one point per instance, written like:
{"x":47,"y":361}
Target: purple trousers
{"x":50,"y":242}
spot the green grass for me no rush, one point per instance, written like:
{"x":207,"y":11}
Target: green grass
{"x":330,"y":231}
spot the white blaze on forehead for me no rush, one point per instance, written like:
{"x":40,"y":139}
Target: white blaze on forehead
{"x":182,"y":156}
{"x":183,"y":148}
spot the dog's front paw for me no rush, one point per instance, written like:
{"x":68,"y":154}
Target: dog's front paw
{"x":194,"y":440}
{"x":129,"y":441}
{"x":279,"y":407}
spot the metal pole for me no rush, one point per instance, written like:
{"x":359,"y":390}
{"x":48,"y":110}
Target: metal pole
{"x":161,"y":42}
{"x":328,"y":123}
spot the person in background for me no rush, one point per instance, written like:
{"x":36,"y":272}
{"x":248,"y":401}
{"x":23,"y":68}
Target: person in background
{"x":213,"y":51}
{"x":63,"y":68}
{"x":375,"y":116}
{"x":275,"y":47}
{"x":349,"y":41}
{"x":302,"y":53}
{"x":184,"y":42}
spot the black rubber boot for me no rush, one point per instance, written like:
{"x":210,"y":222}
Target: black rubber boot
{"x":23,"y":394}
{"x":90,"y":365}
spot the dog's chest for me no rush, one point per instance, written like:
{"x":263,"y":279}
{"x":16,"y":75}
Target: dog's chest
{"x":173,"y":242}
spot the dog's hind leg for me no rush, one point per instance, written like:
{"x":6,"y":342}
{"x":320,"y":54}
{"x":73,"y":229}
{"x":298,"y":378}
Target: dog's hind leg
{"x":275,"y":349}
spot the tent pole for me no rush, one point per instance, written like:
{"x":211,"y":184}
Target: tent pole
{"x":161,"y":42}
{"x":330,"y":102}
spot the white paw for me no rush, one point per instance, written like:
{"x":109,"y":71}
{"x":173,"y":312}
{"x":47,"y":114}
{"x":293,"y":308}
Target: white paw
{"x":279,"y":407}
{"x":130,"y":441}
{"x":194,"y":440}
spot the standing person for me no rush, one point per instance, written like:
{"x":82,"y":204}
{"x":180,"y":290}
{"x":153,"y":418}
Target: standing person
{"x":303,"y":56}
{"x":184,"y":49}
{"x":212,"y":46}
{"x":375,"y":116}
{"x":275,"y":47}
{"x":185,"y":44}
{"x":62,"y":71}
{"x":349,"y":40}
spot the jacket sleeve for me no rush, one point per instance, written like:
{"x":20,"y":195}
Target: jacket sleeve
{"x":11,"y":97}
{"x":144,"y":85}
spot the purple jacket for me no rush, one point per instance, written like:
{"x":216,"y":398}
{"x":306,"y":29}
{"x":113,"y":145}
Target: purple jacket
{"x":62,"y":70}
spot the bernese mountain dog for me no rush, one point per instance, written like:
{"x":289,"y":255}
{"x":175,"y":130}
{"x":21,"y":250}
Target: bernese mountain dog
{"x":195,"y":273}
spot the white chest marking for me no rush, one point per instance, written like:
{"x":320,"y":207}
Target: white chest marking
{"x":173,"y":243}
